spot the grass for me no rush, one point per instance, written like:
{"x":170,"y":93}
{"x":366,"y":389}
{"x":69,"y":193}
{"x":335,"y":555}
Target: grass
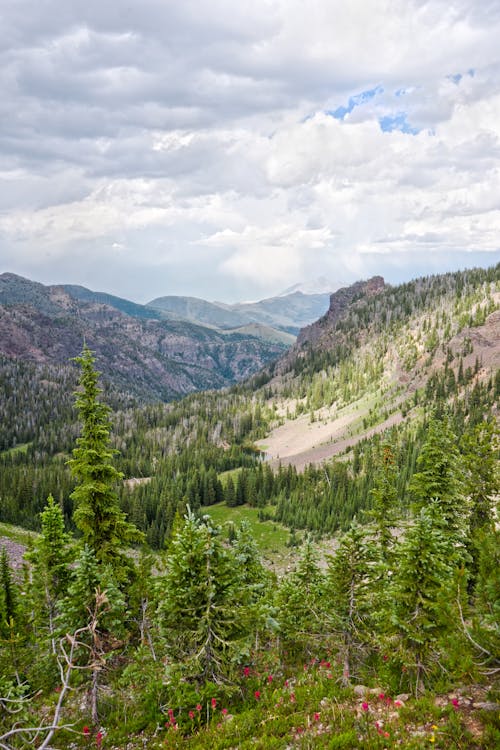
{"x":21,"y":448}
{"x":271,"y":538}
{"x":16,"y":533}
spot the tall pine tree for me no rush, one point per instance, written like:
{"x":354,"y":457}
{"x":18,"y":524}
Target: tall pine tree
{"x":98,"y":516}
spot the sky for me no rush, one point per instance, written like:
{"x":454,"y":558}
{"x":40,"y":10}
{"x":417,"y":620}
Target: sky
{"x":229,"y":150}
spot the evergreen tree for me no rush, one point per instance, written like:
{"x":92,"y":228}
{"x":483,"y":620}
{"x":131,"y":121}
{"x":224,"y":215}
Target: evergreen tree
{"x":201,"y":611}
{"x":351,"y":605}
{"x":385,"y":496}
{"x":97,"y":515}
{"x":50,"y":558}
{"x":8,"y":596}
{"x":421,"y":592}
{"x":300,"y":606}
{"x":439,"y":483}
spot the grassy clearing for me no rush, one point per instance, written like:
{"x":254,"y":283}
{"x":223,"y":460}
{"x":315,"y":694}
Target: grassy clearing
{"x":271,"y":538}
{"x":233,"y":473}
{"x":21,"y":448}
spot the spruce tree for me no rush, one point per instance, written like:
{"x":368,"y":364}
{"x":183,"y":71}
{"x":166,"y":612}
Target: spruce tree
{"x":202,"y":612}
{"x":300,"y":606}
{"x":439,"y":483}
{"x":421,"y":593}
{"x":349,"y":589}
{"x":385,"y":496}
{"x":103,"y":525}
{"x":50,"y":558}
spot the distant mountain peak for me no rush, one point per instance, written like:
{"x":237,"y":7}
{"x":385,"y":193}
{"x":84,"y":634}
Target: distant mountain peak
{"x":319,"y":285}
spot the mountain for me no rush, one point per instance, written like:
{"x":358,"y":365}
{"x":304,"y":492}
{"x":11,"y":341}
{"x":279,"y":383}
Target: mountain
{"x":148,"y":357}
{"x":198,"y":311}
{"x":289,"y":312}
{"x":124,"y":305}
{"x":320,"y":285}
{"x":378,"y":356}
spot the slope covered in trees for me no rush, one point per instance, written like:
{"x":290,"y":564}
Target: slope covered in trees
{"x":395,"y":643}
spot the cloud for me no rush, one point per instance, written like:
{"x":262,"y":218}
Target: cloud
{"x":247,"y":144}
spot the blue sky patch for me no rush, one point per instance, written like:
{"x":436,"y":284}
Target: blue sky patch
{"x":388,"y":123}
{"x":354,"y":101}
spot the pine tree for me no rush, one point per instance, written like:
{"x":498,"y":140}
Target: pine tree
{"x":420,"y":596}
{"x":98,"y":516}
{"x":385,"y":496}
{"x":202,"y":608}
{"x":351,"y":606}
{"x":300,"y":606}
{"x":50,"y":558}
{"x":439,"y":483}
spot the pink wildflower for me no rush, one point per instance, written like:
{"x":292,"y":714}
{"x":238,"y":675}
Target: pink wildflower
{"x":454,"y":702}
{"x":381,"y":696}
{"x":98,"y":739}
{"x":257,"y":695}
{"x":364,"y":706}
{"x":246,"y":671}
{"x":198,"y":707}
{"x":316,"y":716}
{"x":191,"y":715}
{"x":292,"y":698}
{"x":269,"y":678}
{"x":224,"y":711}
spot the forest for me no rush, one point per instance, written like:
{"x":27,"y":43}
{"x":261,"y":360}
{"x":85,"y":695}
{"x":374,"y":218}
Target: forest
{"x":136,"y":621}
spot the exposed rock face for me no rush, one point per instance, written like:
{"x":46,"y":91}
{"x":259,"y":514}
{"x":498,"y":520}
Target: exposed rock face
{"x":154,"y":359}
{"x":339,"y":303}
{"x":320,"y":333}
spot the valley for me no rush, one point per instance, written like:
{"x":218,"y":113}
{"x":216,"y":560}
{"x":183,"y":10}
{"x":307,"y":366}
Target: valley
{"x":254,"y":550}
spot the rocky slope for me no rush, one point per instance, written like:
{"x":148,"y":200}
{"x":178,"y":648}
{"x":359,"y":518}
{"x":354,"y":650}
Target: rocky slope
{"x":151,"y":358}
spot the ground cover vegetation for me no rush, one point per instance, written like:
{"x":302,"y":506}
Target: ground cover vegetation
{"x":392,"y":642}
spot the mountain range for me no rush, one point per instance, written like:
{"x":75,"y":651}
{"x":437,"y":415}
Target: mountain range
{"x":167,"y":348}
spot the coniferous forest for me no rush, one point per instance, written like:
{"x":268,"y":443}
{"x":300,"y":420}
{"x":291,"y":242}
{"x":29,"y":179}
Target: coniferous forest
{"x":134,"y":620}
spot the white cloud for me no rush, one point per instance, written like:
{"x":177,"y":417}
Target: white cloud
{"x":199,"y":131}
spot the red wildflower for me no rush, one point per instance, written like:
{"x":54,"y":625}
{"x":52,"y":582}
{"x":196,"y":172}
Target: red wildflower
{"x":454,"y":702}
{"x":246,"y":671}
{"x":292,"y":698}
{"x":381,"y":696}
{"x":257,"y":694}
{"x":214,"y":702}
{"x":316,"y":716}
{"x":191,"y":715}
{"x":86,"y":731}
{"x":198,"y":707}
{"x":269,"y":678}
{"x":98,"y":739}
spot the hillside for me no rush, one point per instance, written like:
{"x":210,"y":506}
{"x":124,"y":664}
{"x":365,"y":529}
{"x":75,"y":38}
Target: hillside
{"x":374,"y":367}
{"x":229,"y":640}
{"x":139,"y":354}
{"x":360,"y":369}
